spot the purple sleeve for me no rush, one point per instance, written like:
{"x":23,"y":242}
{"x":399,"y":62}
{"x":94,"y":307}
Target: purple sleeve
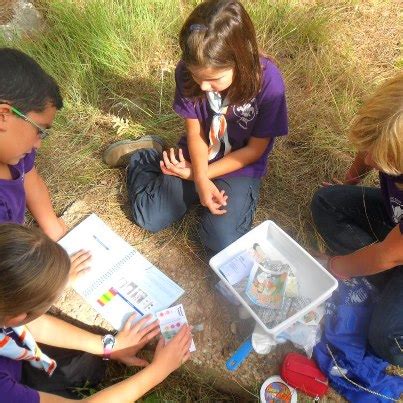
{"x":29,"y":161}
{"x":401,"y":227}
{"x":272,"y":119}
{"x":183,"y":106}
{"x":11,"y":391}
{"x":5,"y":215}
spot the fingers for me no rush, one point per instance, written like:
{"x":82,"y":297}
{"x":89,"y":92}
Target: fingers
{"x":220,"y":196}
{"x":180,"y":156}
{"x":80,"y":264}
{"x":170,"y":161}
{"x":160,"y":344}
{"x":215,"y":208}
{"x":129,"y":322}
{"x":152,"y":329}
{"x":186,"y":356}
{"x":182,"y":337}
{"x":166,"y":171}
{"x":137,"y":326}
{"x":80,"y":257}
{"x":135,"y":361}
{"x":172,"y":156}
{"x":334,"y":181}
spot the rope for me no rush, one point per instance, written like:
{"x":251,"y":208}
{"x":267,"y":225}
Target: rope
{"x":354,"y":383}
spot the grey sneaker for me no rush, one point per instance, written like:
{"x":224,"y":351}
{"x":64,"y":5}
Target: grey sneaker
{"x":118,"y":154}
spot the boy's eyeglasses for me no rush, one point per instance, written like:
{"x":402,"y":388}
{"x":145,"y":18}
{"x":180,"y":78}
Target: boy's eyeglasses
{"x":43,"y":133}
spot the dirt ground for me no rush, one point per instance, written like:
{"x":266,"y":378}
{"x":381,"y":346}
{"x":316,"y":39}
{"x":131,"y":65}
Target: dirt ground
{"x":187,"y":265}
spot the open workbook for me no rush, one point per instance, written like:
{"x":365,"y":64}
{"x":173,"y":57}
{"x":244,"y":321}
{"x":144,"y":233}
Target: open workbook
{"x":121,"y":280}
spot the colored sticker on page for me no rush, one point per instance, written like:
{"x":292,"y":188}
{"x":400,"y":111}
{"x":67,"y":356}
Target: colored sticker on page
{"x":171,"y":321}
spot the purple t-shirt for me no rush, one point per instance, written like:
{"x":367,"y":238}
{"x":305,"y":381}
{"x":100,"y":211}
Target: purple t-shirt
{"x":265,"y":116}
{"x":12,"y":192}
{"x":392,"y":190}
{"x":11,"y":390}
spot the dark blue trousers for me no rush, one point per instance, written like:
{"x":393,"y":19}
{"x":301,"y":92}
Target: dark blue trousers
{"x":158,"y":200}
{"x":349,"y":218}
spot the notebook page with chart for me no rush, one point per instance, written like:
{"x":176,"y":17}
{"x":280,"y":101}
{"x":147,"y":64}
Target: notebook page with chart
{"x":121,"y":280}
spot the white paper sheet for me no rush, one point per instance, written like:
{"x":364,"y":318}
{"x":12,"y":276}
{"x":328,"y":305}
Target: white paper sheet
{"x":121,"y":280}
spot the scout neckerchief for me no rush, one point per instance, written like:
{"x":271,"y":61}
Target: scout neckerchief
{"x":218,"y":129}
{"x":30,"y":352}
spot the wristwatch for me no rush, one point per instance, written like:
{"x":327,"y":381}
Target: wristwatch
{"x":108,"y":341}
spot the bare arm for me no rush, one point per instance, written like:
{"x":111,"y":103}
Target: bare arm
{"x":210,"y":196}
{"x":56,"y":332}
{"x":198,"y":149}
{"x":240,"y":158}
{"x":167,"y":358}
{"x":128,"y":390}
{"x":132,"y":338}
{"x":358,"y":170}
{"x":39,"y":204}
{"x":375,"y":258}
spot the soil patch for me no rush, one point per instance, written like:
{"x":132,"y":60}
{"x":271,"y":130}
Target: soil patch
{"x":187,"y":265}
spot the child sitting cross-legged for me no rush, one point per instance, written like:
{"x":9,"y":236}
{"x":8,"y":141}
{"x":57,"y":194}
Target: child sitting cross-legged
{"x":33,"y":273}
{"x":232,"y":101}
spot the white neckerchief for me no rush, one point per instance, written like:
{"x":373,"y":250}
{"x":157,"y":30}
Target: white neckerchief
{"x":31,"y":352}
{"x":218,"y":130}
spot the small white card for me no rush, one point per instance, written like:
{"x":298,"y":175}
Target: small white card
{"x":171,"y":321}
{"x":238,"y":267}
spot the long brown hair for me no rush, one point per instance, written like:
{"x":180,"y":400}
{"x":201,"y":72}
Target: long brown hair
{"x":33,"y":269}
{"x":220,"y":34}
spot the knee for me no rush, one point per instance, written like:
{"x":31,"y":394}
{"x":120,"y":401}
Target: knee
{"x":386,"y":339}
{"x":146,"y":216}
{"x":321,"y":204}
{"x":216,"y":237}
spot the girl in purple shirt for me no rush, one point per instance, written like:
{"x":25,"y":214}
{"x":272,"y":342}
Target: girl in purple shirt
{"x":33,"y":273}
{"x":363,"y":226}
{"x":233,"y":102}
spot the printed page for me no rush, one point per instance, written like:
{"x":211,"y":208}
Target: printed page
{"x":237,"y":268}
{"x":121,"y":281}
{"x":171,"y":321}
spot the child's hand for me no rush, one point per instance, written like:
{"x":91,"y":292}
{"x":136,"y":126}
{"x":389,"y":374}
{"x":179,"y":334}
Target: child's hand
{"x":171,"y":166}
{"x":347,"y":181}
{"x":211,"y":197}
{"x":80,"y":264}
{"x":173,"y":354}
{"x":132,"y":339}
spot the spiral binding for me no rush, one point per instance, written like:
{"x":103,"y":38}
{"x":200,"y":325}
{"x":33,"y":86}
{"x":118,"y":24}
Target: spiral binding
{"x":86,"y":293}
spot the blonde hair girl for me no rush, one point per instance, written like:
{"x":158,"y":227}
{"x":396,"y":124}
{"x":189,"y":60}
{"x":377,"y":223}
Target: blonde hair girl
{"x":363,"y":226}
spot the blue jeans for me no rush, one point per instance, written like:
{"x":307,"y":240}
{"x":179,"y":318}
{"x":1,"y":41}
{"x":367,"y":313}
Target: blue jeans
{"x":349,"y":218}
{"x":158,"y":200}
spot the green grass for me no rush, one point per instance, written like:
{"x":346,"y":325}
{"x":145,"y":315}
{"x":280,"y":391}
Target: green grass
{"x":114,"y":59}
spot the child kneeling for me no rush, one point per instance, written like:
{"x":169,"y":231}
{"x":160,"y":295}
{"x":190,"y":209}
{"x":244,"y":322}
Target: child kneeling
{"x":33,"y":273}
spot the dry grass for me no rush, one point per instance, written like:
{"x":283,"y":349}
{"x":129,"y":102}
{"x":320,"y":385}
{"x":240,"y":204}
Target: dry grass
{"x":332,"y":54}
{"x":6,"y":11}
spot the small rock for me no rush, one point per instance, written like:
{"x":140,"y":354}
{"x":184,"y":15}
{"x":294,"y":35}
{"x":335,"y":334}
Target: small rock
{"x":233,"y":328}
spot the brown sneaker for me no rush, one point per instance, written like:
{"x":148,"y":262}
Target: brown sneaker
{"x":118,"y":154}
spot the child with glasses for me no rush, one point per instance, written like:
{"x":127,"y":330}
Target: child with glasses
{"x":232,"y":100}
{"x":29,"y":99}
